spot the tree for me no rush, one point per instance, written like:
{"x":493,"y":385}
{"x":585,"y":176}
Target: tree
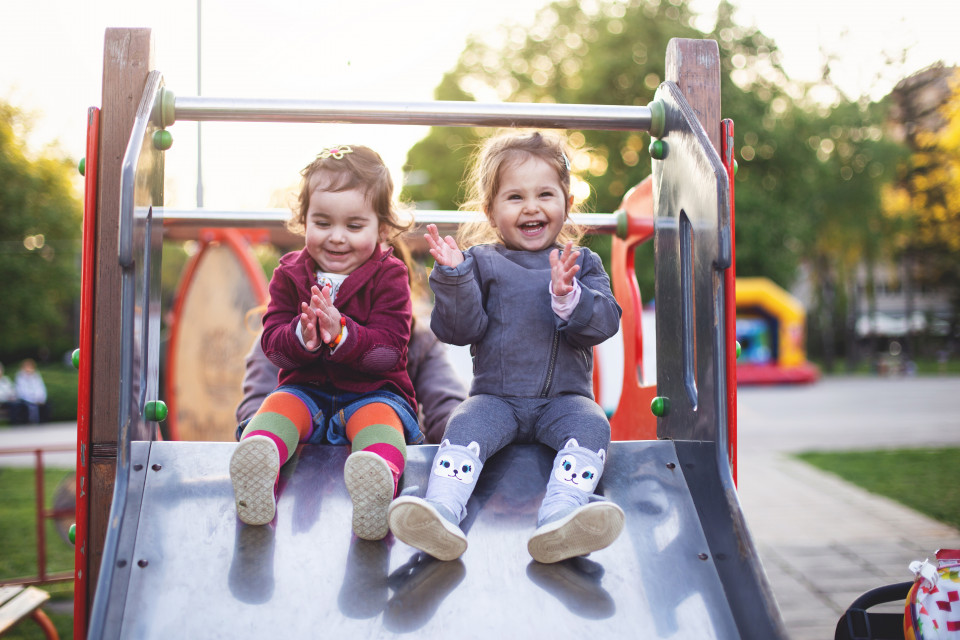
{"x":925,"y":202}
{"x":614,"y":53}
{"x":39,"y":246}
{"x":435,"y":165}
{"x":807,"y":189}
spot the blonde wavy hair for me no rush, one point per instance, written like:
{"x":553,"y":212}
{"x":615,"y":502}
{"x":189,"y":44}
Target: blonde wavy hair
{"x":483,"y":182}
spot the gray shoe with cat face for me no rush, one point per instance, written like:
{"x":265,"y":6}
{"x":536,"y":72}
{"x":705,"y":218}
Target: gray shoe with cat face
{"x":419,"y":524}
{"x":592,"y":527}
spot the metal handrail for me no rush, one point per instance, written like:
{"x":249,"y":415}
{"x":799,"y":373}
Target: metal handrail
{"x":437,"y":113}
{"x":252,"y":219}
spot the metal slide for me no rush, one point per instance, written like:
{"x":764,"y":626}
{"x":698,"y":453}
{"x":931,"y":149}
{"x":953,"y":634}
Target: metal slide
{"x":195,"y":571}
{"x":178,"y":564}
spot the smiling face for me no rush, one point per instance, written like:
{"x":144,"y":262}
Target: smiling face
{"x":342,"y":229}
{"x":530,"y":206}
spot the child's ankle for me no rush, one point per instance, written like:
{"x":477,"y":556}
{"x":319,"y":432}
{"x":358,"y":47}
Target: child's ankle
{"x":395,"y":472}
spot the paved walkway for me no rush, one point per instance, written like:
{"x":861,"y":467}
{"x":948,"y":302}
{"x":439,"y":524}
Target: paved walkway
{"x":59,"y":435}
{"x":823,"y":542}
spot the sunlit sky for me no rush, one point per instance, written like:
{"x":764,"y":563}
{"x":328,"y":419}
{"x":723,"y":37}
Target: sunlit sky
{"x":51,"y":54}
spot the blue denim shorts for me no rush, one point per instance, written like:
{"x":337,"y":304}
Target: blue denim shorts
{"x":331,"y":411}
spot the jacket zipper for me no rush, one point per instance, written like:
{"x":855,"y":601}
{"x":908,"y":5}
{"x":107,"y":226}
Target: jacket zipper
{"x":553,"y":362}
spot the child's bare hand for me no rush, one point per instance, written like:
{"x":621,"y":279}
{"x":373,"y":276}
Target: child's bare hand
{"x":308,"y":327}
{"x":445,"y":251}
{"x":328,"y":316}
{"x":563,"y":267}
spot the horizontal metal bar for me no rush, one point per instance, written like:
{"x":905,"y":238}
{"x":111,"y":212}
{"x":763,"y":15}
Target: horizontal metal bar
{"x":438,"y":113}
{"x":212,"y":218}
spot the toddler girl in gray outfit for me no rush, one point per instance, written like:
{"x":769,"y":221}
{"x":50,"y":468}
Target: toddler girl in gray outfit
{"x":532,"y":307}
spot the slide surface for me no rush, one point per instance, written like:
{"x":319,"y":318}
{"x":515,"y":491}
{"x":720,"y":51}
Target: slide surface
{"x":195,"y":571}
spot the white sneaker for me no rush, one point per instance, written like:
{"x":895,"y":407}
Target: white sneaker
{"x":371,"y":483}
{"x":416,"y":522}
{"x":591,"y":527}
{"x":254,"y":469}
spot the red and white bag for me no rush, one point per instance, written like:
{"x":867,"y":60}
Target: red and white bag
{"x":933,"y":602}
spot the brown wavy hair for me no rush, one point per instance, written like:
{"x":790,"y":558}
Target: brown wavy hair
{"x":362,"y":168}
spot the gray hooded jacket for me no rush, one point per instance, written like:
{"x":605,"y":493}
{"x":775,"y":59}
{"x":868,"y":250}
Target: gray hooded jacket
{"x":498,"y":301}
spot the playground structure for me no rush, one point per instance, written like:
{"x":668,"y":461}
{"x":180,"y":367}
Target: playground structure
{"x":771,"y":330}
{"x":160,"y":552}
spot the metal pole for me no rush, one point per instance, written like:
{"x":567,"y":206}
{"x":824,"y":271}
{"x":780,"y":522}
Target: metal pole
{"x":438,"y":113}
{"x":199,"y":162}
{"x":185,"y":218}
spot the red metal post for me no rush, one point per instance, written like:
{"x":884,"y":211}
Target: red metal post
{"x":88,"y":274}
{"x":41,"y":524}
{"x":730,"y":302}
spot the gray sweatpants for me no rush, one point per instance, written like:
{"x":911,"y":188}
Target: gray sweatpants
{"x":493,"y":422}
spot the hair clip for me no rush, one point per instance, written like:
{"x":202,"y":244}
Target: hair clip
{"x":335,"y":152}
{"x":566,"y":160}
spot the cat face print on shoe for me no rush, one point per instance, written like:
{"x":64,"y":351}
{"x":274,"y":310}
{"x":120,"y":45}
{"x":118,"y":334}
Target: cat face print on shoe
{"x":453,"y":464}
{"x":576,"y":470}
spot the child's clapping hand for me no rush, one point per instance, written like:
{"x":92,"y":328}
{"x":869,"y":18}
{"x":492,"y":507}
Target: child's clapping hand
{"x":319,"y":320}
{"x":563,"y":267}
{"x":445,"y":251}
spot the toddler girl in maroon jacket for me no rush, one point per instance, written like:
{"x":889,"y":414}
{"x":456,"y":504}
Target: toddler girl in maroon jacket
{"x":337,"y":325}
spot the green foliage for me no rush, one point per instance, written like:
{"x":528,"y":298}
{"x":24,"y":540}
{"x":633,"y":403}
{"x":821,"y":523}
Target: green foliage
{"x":173,"y":262}
{"x":61,"y":382}
{"x":811,"y":171}
{"x":926,"y":198}
{"x":913,"y":477}
{"x":435,"y":166}
{"x":39,"y":246}
{"x":614,"y":53}
{"x":18,"y":539}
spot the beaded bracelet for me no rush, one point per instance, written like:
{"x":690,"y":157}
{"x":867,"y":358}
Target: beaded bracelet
{"x":343,"y":327}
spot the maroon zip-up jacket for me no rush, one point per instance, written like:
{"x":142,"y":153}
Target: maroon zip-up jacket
{"x":375,"y":301}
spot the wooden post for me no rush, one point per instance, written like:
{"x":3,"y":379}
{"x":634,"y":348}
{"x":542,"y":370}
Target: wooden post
{"x":127,"y":59}
{"x":694,"y":65}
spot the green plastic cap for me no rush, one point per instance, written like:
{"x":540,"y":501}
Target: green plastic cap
{"x":155,"y":411}
{"x":75,"y":358}
{"x":660,"y":406}
{"x":623,"y":224}
{"x":658,"y":118}
{"x":738,"y":348}
{"x":82,"y":167}
{"x":658,"y":149}
{"x":168,"y":107}
{"x":162,"y":139}
{"x":72,"y":533}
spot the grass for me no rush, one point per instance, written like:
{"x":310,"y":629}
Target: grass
{"x":925,"y":480}
{"x":61,"y":383}
{"x":18,"y":541}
